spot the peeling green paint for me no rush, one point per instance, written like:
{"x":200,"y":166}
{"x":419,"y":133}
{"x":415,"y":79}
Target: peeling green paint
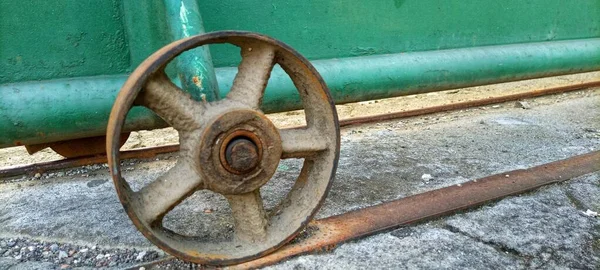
{"x":194,"y":68}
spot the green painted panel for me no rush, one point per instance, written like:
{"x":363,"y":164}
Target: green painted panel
{"x":57,"y":39}
{"x":342,"y":28}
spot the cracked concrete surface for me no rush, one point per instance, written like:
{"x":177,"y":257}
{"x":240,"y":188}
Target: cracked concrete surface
{"x":540,"y":230}
{"x":545,"y":229}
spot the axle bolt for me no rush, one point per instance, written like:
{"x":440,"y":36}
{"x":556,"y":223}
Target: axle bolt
{"x":241,"y":155}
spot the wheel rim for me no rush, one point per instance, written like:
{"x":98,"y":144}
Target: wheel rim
{"x":204,"y":128}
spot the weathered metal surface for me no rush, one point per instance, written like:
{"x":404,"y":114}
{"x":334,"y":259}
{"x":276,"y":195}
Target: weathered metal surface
{"x":78,"y":147}
{"x":24,"y":106}
{"x":325,"y":234}
{"x":111,"y":37}
{"x":71,"y":39}
{"x":214,"y":143}
{"x":62,"y":110}
{"x":194,"y":68}
{"x":203,"y":128}
{"x":337,"y":29}
{"x":149,"y":152}
{"x":242,"y":152}
{"x":153,"y":151}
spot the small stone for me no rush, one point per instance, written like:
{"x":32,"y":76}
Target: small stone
{"x":3,"y":244}
{"x":142,"y":268}
{"x":54,"y":247}
{"x":45,"y":254}
{"x":140,"y":256}
{"x":590,"y":213}
{"x":71,"y":253}
{"x":37,"y":175}
{"x":507,"y":176}
{"x":523,"y":105}
{"x":62,"y":255}
{"x":84,"y":250}
{"x":94,"y":248}
{"x":208,"y":210}
{"x":426,"y":177}
{"x":18,"y":257}
{"x":100,"y":257}
{"x":31,"y":248}
{"x":496,"y":106}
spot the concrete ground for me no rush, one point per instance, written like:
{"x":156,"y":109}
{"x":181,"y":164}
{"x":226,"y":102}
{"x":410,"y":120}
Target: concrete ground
{"x":72,"y":218}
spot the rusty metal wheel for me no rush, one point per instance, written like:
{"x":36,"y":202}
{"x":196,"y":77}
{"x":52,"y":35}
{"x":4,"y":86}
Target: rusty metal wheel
{"x":230,"y":147}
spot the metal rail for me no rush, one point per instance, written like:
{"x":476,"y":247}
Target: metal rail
{"x":325,"y":234}
{"x":151,"y":152}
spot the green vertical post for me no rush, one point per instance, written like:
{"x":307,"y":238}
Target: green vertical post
{"x":194,"y":68}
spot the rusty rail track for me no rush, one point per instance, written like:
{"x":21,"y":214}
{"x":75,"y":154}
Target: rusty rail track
{"x":325,"y":234}
{"x":151,"y":152}
{"x":468,"y":104}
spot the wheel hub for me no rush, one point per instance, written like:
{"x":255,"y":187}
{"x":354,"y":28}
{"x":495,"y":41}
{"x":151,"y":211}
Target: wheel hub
{"x":239,"y":152}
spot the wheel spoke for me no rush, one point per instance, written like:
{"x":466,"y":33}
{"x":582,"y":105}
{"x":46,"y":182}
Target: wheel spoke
{"x":253,"y":75}
{"x":250,"y":216}
{"x":168,"y":101}
{"x":301,"y":142}
{"x":159,"y":197}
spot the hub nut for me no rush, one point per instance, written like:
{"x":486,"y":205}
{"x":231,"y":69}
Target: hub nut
{"x":241,"y":155}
